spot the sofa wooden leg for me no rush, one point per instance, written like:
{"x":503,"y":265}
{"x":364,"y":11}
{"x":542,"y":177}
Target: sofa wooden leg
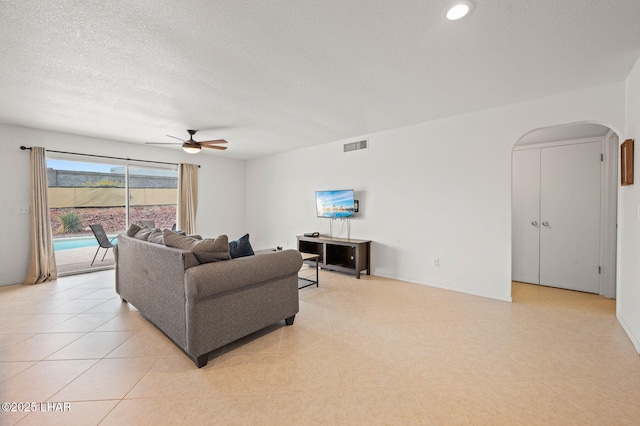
{"x":202,"y":360}
{"x":289,"y":321}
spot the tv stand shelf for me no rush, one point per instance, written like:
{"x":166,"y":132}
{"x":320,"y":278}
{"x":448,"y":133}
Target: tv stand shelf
{"x":339,"y":254}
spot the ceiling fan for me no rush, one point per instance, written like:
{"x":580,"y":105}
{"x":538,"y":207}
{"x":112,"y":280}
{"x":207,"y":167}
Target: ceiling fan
{"x":191,"y":146}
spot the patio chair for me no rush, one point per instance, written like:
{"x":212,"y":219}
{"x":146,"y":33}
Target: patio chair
{"x":103,"y":241}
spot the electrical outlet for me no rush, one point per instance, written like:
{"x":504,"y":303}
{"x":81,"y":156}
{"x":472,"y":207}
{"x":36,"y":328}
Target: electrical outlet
{"x":23,"y":209}
{"x":435,"y":262}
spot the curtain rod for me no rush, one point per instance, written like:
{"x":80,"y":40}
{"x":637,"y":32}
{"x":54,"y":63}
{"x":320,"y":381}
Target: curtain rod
{"x":105,"y":156}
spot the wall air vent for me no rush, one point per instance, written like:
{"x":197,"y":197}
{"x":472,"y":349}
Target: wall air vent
{"x":354,"y":146}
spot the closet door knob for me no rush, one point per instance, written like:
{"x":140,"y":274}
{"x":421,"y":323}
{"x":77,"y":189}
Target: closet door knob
{"x":545,"y":223}
{"x":534,"y":223}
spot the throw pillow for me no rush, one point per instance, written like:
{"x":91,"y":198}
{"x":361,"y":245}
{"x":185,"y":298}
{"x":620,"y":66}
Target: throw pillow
{"x":207,"y":250}
{"x":177,"y":232}
{"x":241,"y":247}
{"x":143,"y":234}
{"x":133,"y":229}
{"x":156,"y":236}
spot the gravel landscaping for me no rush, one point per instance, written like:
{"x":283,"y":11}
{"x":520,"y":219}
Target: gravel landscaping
{"x":112,"y":219}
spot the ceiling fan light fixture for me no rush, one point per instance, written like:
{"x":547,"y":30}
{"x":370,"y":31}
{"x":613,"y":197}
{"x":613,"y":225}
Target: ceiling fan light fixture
{"x":191,"y":148}
{"x":458,"y":10}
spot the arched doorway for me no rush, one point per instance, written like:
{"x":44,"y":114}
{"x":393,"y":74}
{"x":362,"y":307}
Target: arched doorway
{"x":564,"y":208}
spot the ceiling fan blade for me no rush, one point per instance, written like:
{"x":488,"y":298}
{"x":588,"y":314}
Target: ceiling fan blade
{"x":213,"y":142}
{"x":162,"y":143}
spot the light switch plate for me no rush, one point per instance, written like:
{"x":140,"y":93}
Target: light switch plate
{"x":23,"y":210}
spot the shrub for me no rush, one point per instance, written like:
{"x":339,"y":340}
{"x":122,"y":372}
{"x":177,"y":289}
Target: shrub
{"x":69,"y":221}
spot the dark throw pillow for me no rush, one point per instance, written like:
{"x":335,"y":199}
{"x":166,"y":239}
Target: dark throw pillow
{"x":241,"y":247}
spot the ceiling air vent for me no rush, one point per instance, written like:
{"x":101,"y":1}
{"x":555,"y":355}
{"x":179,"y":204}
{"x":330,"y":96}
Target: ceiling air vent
{"x":354,"y":146}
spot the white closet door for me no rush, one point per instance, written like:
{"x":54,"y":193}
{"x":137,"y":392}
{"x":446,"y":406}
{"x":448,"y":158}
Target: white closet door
{"x":525,"y":256}
{"x":570,"y":216}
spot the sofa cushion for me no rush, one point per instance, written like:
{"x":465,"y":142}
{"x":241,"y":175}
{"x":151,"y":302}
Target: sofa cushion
{"x":133,"y":228}
{"x":241,"y":247}
{"x":138,"y":232}
{"x":206,"y":251}
{"x":155,"y":236}
{"x":143,"y":234}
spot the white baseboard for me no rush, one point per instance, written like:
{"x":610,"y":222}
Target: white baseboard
{"x":11,"y":281}
{"x":452,"y":288}
{"x":634,"y":339}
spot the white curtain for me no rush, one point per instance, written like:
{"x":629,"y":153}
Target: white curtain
{"x":42,"y":262}
{"x":187,"y":197}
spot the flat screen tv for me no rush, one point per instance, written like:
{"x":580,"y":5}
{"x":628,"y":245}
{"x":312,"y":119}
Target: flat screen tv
{"x":335,"y":204}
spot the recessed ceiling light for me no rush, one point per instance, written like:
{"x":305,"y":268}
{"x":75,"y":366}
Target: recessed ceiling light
{"x":458,"y":10}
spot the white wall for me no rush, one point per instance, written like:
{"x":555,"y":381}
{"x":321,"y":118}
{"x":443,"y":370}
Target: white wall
{"x":628,"y":302}
{"x":221,"y":190}
{"x":436,"y":189}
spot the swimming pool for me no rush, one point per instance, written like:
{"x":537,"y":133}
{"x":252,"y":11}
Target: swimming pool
{"x":71,"y":243}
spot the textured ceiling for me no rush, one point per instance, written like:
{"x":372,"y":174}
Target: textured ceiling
{"x":271,"y":76}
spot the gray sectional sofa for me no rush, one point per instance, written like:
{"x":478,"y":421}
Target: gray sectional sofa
{"x":204,"y":306}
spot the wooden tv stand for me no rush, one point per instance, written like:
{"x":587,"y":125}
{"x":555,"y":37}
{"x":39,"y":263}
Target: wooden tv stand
{"x":339,"y":254}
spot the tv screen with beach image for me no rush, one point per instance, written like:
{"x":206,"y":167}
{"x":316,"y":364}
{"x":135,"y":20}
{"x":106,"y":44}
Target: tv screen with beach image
{"x":335,"y":204}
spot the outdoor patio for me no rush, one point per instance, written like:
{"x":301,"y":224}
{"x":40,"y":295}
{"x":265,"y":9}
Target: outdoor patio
{"x":78,"y":260}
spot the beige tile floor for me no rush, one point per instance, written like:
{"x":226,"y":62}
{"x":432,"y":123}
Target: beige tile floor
{"x":361,"y":352}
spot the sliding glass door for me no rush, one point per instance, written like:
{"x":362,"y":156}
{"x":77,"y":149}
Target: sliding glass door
{"x":84,"y":193}
{"x":153,"y":194}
